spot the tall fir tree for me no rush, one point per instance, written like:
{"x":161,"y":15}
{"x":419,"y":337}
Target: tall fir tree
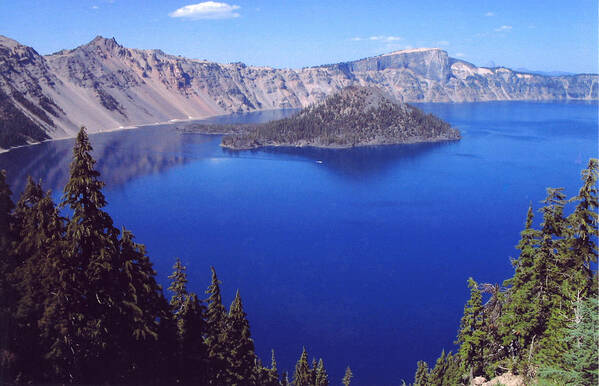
{"x":322,"y":377}
{"x":438,"y":372}
{"x":241,"y":358}
{"x":347,"y":377}
{"x":302,"y":376}
{"x":421,"y":376}
{"x":216,"y":319}
{"x":40,"y":244}
{"x":188,"y":314}
{"x":519,"y":321}
{"x":472,"y":335}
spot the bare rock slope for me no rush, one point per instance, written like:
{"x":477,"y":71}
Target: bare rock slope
{"x":106,"y":86}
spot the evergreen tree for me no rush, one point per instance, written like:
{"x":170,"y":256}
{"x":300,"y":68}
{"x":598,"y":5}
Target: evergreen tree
{"x":302,"y":376}
{"x":40,"y":231}
{"x":216,"y":332}
{"x":81,"y":318}
{"x":580,"y":236}
{"x":322,"y":378}
{"x":579,"y":366}
{"x":421,"y":377}
{"x":241,"y":357}
{"x":188,"y":314}
{"x":519,"y":321}
{"x":438,"y":372}
{"x":347,"y":377}
{"x":140,"y":311}
{"x":472,"y":336}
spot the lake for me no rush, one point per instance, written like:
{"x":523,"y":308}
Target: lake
{"x":361,"y":255}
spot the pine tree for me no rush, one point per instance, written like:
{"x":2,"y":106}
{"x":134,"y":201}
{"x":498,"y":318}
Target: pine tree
{"x":302,"y":376}
{"x":241,"y":357}
{"x":322,"y":378}
{"x":215,"y":332}
{"x":141,"y":310}
{"x":347,"y":377}
{"x":421,"y":376}
{"x":519,"y":321}
{"x":81,"y":317}
{"x":472,"y":336}
{"x":436,"y":375}
{"x":40,"y":243}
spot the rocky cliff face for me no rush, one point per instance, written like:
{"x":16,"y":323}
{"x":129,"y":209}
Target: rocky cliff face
{"x":106,"y":86}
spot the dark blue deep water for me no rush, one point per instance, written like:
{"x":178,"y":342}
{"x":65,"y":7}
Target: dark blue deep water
{"x":362,"y":258}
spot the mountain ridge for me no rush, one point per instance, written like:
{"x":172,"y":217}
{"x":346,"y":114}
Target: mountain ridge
{"x":105,"y":86}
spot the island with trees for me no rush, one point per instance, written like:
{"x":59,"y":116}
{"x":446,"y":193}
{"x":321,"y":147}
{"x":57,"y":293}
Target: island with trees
{"x":356,"y":116}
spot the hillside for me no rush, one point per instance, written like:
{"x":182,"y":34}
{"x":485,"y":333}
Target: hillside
{"x":356,"y":116}
{"x":106,"y":86}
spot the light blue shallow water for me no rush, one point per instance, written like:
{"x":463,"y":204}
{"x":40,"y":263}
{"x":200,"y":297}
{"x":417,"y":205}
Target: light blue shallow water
{"x":363,"y":257}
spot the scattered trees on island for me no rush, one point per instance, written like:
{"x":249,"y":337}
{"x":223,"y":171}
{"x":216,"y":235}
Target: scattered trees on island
{"x":79,"y":301}
{"x":542,"y":323}
{"x":355,"y":116}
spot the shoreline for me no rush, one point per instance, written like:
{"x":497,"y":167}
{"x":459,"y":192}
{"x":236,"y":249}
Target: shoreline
{"x":339,"y":147}
{"x":121,"y":128}
{"x":176,"y":120}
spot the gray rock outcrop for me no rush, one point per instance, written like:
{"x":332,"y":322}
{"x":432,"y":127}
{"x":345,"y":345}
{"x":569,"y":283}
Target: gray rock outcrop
{"x":106,"y":86}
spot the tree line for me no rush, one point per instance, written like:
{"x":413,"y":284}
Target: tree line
{"x":543,"y":322}
{"x":79,"y":302}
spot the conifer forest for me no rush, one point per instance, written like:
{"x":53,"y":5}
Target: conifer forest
{"x":80,"y":302}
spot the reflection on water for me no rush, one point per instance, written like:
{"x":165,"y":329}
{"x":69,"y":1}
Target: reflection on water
{"x":123,"y":155}
{"x":359,"y":162}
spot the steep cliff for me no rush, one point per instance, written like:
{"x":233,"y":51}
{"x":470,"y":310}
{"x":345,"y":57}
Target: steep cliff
{"x":106,"y":86}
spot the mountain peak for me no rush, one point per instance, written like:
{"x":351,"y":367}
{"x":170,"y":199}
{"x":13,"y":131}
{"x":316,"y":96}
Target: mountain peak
{"x":102,"y":41}
{"x":412,"y":51}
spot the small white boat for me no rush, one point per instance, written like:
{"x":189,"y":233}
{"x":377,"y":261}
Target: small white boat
{"x":319,"y":162}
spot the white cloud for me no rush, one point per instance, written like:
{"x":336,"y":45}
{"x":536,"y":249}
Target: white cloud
{"x":460,"y":54}
{"x":207,"y":10}
{"x":95,"y":7}
{"x":489,"y":14}
{"x":379,"y":38}
{"x":504,"y":28}
{"x":442,"y":43}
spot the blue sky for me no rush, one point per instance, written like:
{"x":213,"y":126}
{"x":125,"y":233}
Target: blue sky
{"x":538,"y":35}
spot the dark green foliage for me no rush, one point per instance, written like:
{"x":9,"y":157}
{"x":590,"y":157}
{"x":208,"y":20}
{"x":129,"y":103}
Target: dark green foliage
{"x":240,"y":357}
{"x":191,"y":353}
{"x":472,"y":336}
{"x":537,"y":321}
{"x":80,"y":303}
{"x":421,"y":376}
{"x":347,"y":377}
{"x":355,"y":116}
{"x":302,"y":375}
{"x":40,"y":233}
{"x":322,"y":378}
{"x":216,"y":325}
{"x":579,"y":365}
{"x":447,"y":371}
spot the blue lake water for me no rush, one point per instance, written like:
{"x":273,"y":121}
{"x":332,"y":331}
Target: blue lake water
{"x":363,"y":257}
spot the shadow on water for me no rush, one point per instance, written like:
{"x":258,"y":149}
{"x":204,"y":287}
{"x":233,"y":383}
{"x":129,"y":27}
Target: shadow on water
{"x":120,"y":157}
{"x":364,"y":162}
